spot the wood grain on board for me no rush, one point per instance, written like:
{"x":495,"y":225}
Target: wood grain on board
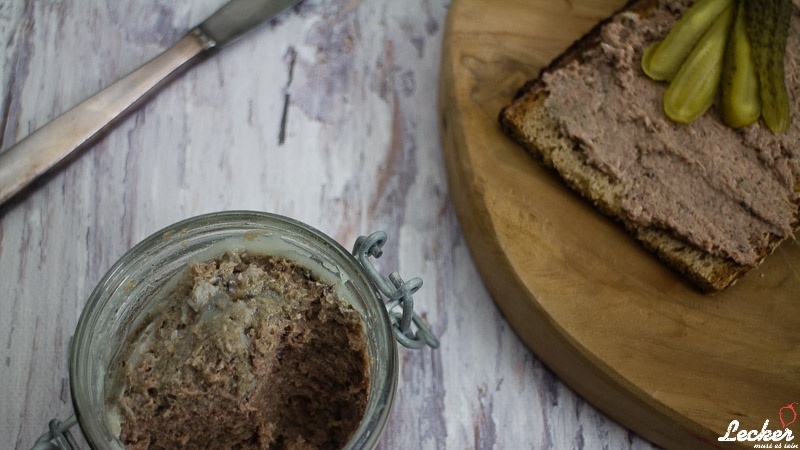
{"x":614,"y":323}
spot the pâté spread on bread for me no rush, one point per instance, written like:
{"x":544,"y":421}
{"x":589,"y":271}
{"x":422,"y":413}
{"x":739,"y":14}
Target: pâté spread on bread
{"x":702,"y":194}
{"x":245,"y":351}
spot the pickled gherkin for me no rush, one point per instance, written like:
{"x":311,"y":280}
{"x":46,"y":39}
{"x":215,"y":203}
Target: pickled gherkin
{"x":662,"y":60}
{"x":740,"y":94}
{"x":731,"y":48}
{"x":696,"y":84}
{"x":768,"y":29}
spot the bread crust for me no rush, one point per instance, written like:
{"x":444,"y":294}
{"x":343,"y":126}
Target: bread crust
{"x":529,"y":123}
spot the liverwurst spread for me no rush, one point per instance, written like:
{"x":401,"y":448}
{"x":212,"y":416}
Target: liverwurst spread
{"x":245,"y":352}
{"x":728,"y":192}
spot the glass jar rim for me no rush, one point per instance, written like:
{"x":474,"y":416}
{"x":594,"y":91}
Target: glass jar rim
{"x":103,"y":304}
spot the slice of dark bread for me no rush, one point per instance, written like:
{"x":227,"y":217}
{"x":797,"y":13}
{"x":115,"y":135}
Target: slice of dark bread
{"x":529,"y":122}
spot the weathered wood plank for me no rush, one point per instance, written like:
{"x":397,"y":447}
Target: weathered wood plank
{"x":329,"y":116}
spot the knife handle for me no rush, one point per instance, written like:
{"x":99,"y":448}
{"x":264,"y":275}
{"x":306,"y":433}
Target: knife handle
{"x":44,"y":148}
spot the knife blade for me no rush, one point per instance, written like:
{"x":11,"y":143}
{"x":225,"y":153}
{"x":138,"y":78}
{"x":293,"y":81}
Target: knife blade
{"x":75,"y":129}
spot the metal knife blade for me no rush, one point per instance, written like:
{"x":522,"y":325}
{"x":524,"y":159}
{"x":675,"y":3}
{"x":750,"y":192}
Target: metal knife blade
{"x":238,"y":16}
{"x":43,"y":149}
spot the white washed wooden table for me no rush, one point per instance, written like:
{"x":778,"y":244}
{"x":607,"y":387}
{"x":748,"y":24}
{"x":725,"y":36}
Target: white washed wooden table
{"x":329,"y":116}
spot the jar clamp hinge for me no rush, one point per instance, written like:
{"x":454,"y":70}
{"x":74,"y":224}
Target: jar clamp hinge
{"x":58,"y":437}
{"x":398,"y":293}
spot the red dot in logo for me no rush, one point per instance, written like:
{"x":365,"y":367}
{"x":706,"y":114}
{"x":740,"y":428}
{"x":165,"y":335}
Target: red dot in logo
{"x":789,"y":407}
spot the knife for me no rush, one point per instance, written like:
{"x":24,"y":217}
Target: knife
{"x":33,"y":156}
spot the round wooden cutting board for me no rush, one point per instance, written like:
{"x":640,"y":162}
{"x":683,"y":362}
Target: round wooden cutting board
{"x":624,"y":331}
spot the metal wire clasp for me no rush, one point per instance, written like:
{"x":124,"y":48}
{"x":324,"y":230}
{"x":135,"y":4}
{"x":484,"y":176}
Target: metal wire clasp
{"x":398,"y":293}
{"x":58,"y":437}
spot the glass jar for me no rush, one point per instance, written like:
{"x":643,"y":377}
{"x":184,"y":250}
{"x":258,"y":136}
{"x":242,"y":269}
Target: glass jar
{"x":130,"y":287}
